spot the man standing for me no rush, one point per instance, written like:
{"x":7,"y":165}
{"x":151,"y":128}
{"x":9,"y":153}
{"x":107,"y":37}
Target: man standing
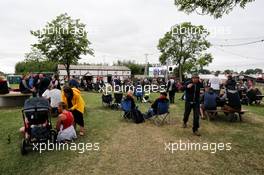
{"x":171,"y":89}
{"x":215,"y":84}
{"x":192,"y":102}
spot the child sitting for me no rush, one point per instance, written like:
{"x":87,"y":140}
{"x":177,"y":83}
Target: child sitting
{"x":65,"y":124}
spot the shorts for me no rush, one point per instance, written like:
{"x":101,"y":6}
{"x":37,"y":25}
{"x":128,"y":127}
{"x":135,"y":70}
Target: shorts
{"x":67,"y":134}
{"x":78,"y":117}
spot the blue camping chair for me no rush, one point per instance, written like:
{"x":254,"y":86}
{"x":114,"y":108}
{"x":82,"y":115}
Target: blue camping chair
{"x":139,"y":94}
{"x":162,"y":113}
{"x":126,"y":107}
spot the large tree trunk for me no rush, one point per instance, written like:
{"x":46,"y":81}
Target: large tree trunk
{"x":68,"y":71}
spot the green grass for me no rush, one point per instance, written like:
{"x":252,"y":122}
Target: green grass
{"x":127,"y":148}
{"x":14,"y":86}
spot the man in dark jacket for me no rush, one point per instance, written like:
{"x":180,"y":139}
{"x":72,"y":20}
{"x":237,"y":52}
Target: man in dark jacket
{"x":192,"y":102}
{"x":44,"y":83}
{"x":233,"y":101}
{"x":230,"y":83}
{"x":154,"y":107}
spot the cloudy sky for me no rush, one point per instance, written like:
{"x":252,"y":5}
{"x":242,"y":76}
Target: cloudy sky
{"x":128,"y":29}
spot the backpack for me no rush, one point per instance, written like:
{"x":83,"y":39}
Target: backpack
{"x":137,"y":116}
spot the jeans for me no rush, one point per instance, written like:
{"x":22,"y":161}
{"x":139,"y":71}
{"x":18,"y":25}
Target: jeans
{"x":196,"y":114}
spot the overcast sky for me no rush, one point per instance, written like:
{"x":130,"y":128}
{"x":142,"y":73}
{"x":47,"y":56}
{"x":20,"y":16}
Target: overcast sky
{"x":127,"y":29}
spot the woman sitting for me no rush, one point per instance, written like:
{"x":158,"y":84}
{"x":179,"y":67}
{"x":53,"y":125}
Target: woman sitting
{"x":24,"y":86}
{"x":65,"y":122}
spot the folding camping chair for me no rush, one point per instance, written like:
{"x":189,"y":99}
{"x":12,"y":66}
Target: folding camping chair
{"x":107,"y":100}
{"x":162,"y":113}
{"x":126,"y":107}
{"x":118,"y":99}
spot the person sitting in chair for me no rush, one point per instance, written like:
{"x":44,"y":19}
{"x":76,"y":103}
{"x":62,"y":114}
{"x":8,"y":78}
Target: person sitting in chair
{"x":128,"y":105}
{"x":209,"y":101}
{"x":154,"y":107}
{"x":252,"y":95}
{"x":129,"y":97}
{"x":233,"y":101}
{"x":24,"y":86}
{"x":3,"y":86}
{"x":65,"y":124}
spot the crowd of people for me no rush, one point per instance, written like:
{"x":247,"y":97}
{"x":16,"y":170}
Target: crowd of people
{"x":38,"y":83}
{"x":66,"y":103}
{"x":199,"y":96}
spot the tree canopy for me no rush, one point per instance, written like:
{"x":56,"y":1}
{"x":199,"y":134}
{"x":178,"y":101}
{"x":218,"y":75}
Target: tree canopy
{"x":253,"y":71}
{"x":136,"y":69}
{"x":215,"y":8}
{"x":35,"y":62}
{"x":63,"y":40}
{"x":185,"y":45}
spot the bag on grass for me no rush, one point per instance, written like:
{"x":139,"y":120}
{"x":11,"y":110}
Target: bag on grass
{"x":137,"y":116}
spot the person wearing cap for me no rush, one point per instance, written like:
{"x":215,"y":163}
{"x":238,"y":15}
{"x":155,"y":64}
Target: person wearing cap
{"x":192,"y":102}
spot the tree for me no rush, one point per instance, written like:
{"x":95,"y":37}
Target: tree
{"x":253,"y":71}
{"x":35,"y":62}
{"x":228,"y":71}
{"x":185,"y":45}
{"x":35,"y":66}
{"x":136,"y":69}
{"x":258,"y":71}
{"x":35,"y":55}
{"x":215,"y":8}
{"x":218,"y":72}
{"x":63,"y":40}
{"x":204,"y":71}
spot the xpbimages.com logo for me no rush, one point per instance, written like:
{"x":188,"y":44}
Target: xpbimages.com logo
{"x":144,"y":89}
{"x":188,"y":146}
{"x":78,"y":147}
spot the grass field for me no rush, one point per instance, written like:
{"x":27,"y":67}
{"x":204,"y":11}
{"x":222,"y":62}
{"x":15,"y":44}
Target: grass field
{"x":128,"y":148}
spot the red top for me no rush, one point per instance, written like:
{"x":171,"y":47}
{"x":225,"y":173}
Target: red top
{"x":68,"y":121}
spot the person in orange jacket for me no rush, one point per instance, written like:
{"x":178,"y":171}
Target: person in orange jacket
{"x":73,"y":99}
